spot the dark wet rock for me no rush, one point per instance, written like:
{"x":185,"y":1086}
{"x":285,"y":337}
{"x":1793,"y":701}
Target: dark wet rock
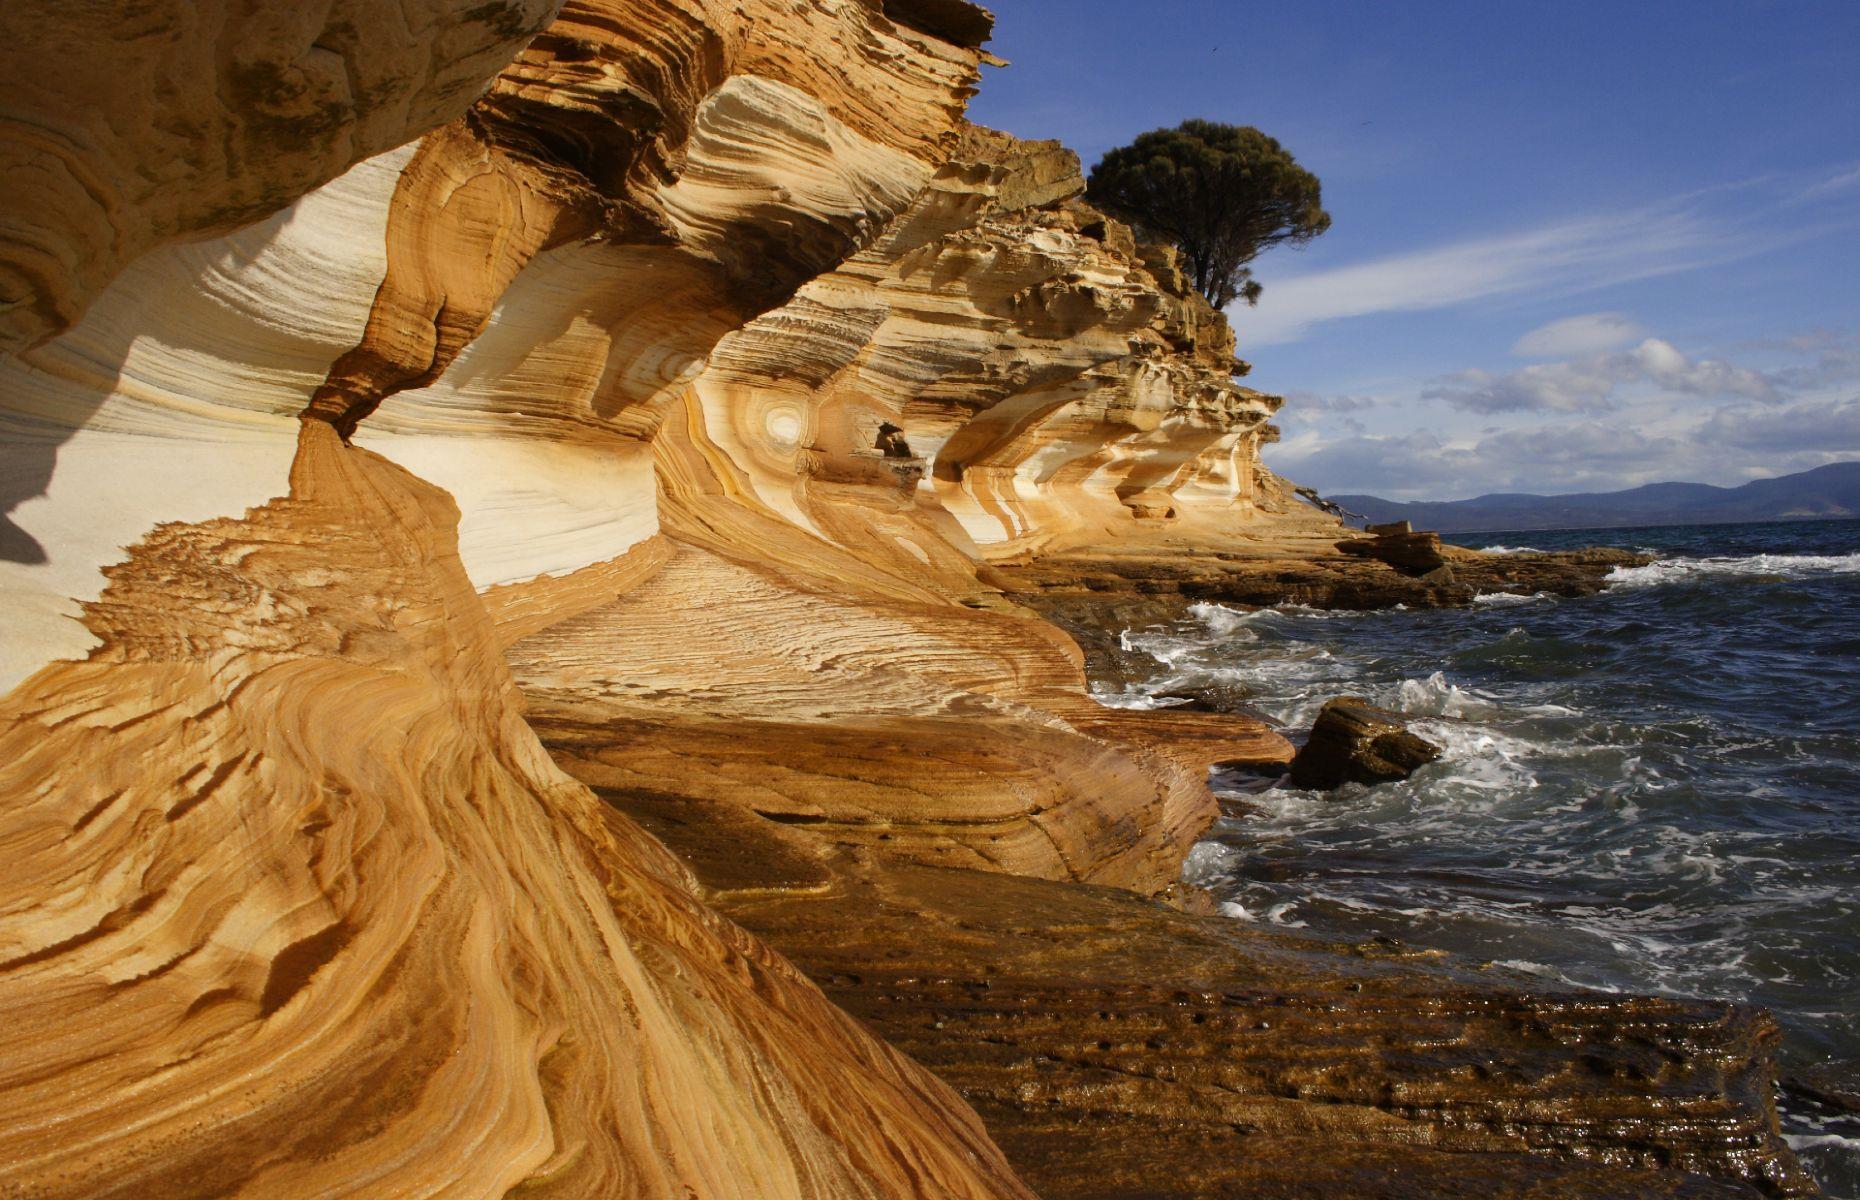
{"x":1353,"y":741}
{"x":1211,"y":697}
{"x":1117,"y":1049}
{"x":1079,"y":588}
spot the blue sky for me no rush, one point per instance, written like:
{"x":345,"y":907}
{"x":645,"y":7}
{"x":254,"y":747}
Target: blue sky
{"x":1576,"y":245}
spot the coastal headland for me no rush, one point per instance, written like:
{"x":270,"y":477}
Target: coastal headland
{"x":550,"y":558}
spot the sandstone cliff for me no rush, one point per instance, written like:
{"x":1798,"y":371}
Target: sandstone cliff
{"x":476,"y":460}
{"x":297,"y":904}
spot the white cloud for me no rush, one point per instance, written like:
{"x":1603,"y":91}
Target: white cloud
{"x":1590,"y":333}
{"x":1566,"y":257}
{"x":1423,"y":465}
{"x":1598,"y":381}
{"x":1844,"y":181}
{"x":1599,"y":455}
{"x":1396,"y":465}
{"x":1837,"y":360}
{"x":1309,"y":402}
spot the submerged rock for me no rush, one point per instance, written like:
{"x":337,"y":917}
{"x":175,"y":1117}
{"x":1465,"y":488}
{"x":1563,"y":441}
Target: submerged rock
{"x":1353,"y":741}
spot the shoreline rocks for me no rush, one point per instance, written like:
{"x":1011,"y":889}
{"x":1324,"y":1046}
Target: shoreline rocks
{"x":1117,"y":1048}
{"x":1316,"y":571}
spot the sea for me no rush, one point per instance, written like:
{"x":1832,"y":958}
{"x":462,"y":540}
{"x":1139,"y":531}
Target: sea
{"x":1655,"y":789}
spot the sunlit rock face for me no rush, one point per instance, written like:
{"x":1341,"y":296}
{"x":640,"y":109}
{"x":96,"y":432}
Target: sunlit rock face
{"x":709,"y":144}
{"x":1009,"y":354}
{"x":296,"y":902}
{"x":297,"y":905}
{"x":821,"y":648}
{"x":124,"y":127}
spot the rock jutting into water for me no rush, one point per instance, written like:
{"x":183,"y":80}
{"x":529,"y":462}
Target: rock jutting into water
{"x":518,"y":560}
{"x":1353,"y":741}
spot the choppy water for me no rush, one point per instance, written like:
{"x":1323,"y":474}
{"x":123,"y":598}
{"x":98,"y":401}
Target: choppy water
{"x":1656,"y":789}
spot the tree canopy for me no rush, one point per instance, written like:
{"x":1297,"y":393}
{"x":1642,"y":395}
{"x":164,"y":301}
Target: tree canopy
{"x":1220,"y":193}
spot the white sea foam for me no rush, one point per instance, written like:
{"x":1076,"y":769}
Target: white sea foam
{"x":1507,"y":599}
{"x":1320,"y":614}
{"x":1799,"y":1142}
{"x":1279,"y":914}
{"x":1509,"y":550}
{"x":1209,"y":863}
{"x":1785,"y":566}
{"x":1131,"y":699}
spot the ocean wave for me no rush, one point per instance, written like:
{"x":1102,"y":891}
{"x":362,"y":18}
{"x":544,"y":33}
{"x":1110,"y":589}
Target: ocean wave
{"x":1617,"y":805}
{"x":1435,"y":696}
{"x":1785,"y":566}
{"x":1524,"y":966}
{"x":1509,"y":550}
{"x":1218,"y":618}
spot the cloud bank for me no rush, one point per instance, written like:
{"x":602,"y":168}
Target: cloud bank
{"x":1596,"y":382}
{"x":1595,"y":422}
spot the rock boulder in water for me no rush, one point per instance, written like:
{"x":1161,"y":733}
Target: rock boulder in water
{"x":1353,"y":741}
{"x":1407,"y":551}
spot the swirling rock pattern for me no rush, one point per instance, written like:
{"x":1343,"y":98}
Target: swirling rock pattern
{"x":297,"y":904}
{"x":824,"y":650}
{"x":335,"y":925}
{"x":717,"y":135}
{"x":1044,"y":379}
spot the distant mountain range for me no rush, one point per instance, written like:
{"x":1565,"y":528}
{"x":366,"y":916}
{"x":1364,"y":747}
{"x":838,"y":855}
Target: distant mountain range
{"x":1829,"y":492}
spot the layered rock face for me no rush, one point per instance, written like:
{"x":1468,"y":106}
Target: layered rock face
{"x":1009,"y":353}
{"x":298,"y":906}
{"x":636,"y":458}
{"x":296,"y":902}
{"x":824,"y":649}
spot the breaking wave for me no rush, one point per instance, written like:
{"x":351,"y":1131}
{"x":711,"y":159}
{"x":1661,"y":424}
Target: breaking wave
{"x":1760,"y":566}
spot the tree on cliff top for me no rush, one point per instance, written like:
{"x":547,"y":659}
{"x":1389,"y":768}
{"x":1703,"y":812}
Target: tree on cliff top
{"x":1220,"y":193}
